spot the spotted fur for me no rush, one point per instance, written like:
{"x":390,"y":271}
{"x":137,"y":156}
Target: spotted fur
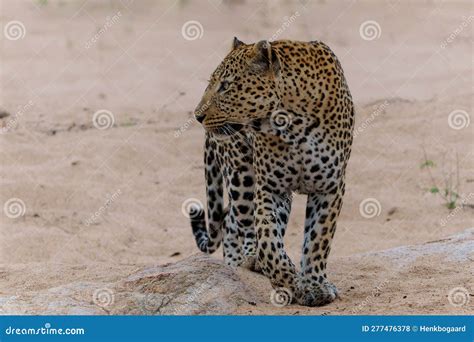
{"x":292,"y":101}
{"x":227,"y":158}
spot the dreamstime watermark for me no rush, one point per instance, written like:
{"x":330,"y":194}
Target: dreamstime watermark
{"x":192,"y":299}
{"x":184,"y":127}
{"x":47,"y":329}
{"x":192,"y":120}
{"x":370,"y":299}
{"x":458,"y":296}
{"x":458,"y":119}
{"x":370,"y":30}
{"x":192,"y":30}
{"x":14,"y":208}
{"x":368,"y":121}
{"x":286,"y":201}
{"x":456,"y":210}
{"x":14,"y":30}
{"x":152,"y":303}
{"x":281,"y":297}
{"x":13,"y":121}
{"x":109,"y":22}
{"x":287,"y":21}
{"x":108,"y":202}
{"x":197,"y":292}
{"x":457,"y":31}
{"x":191,"y":207}
{"x":281,"y":119}
{"x":370,"y":208}
{"x":202,"y":109}
{"x":103,"y":119}
{"x":103,"y":297}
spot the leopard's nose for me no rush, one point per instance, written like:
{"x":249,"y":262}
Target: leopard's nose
{"x":200,"y":118}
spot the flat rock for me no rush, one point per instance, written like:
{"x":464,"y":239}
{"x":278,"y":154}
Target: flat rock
{"x":430,"y":278}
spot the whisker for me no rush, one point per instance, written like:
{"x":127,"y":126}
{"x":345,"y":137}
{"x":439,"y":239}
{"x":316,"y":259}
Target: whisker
{"x":247,"y":124}
{"x":226,"y":131}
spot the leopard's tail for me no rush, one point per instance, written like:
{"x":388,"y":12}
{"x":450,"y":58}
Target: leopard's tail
{"x":208,"y":241}
{"x":208,"y":238}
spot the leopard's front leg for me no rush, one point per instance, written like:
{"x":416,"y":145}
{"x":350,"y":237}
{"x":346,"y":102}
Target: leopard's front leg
{"x":239,"y":239}
{"x":272,"y":211}
{"x":322,"y":211}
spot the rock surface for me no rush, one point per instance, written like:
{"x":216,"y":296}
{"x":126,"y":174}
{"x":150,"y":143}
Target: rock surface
{"x":431,"y":278}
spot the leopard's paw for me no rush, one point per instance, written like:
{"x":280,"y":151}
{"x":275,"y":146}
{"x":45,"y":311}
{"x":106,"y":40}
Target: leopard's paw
{"x":317,"y":294}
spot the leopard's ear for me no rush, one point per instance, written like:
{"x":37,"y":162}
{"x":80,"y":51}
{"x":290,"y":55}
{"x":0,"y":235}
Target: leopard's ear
{"x":236,"y":43}
{"x":265,"y":58}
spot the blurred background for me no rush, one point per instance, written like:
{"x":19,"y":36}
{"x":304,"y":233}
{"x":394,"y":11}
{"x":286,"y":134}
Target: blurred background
{"x":100,"y":151}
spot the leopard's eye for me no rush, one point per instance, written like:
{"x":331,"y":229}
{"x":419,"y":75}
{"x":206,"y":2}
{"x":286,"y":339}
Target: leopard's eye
{"x":223,"y":86}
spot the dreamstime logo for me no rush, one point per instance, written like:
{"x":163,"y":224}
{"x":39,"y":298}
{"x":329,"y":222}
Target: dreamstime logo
{"x":370,"y":207}
{"x":367,"y":122}
{"x":102,"y":209}
{"x":280,"y":120}
{"x":13,"y":121}
{"x":14,"y":208}
{"x":153,"y":302}
{"x":192,"y":120}
{"x":458,"y":119}
{"x":369,"y":300}
{"x":287,"y":200}
{"x":465,"y":23}
{"x":191,"y":207}
{"x":103,"y":297}
{"x":456,"y":210}
{"x":109,"y":22}
{"x":193,"y":299}
{"x":281,"y":297}
{"x":103,"y":119}
{"x":287,"y":21}
{"x":370,"y":30}
{"x":14,"y":30}
{"x":192,"y":30}
{"x":459,"y":296}
{"x":184,"y":127}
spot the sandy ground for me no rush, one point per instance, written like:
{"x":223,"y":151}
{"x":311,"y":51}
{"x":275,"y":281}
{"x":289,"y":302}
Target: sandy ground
{"x":395,"y":281}
{"x":131,"y":58}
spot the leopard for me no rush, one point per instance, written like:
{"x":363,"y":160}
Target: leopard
{"x":228,"y":161}
{"x":292,"y":99}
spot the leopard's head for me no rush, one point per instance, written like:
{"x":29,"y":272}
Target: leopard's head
{"x":242,"y":89}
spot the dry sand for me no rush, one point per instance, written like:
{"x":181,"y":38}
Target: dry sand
{"x":405,"y":84}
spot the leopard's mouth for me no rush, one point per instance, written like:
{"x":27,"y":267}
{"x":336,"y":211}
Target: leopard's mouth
{"x":226,"y":129}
